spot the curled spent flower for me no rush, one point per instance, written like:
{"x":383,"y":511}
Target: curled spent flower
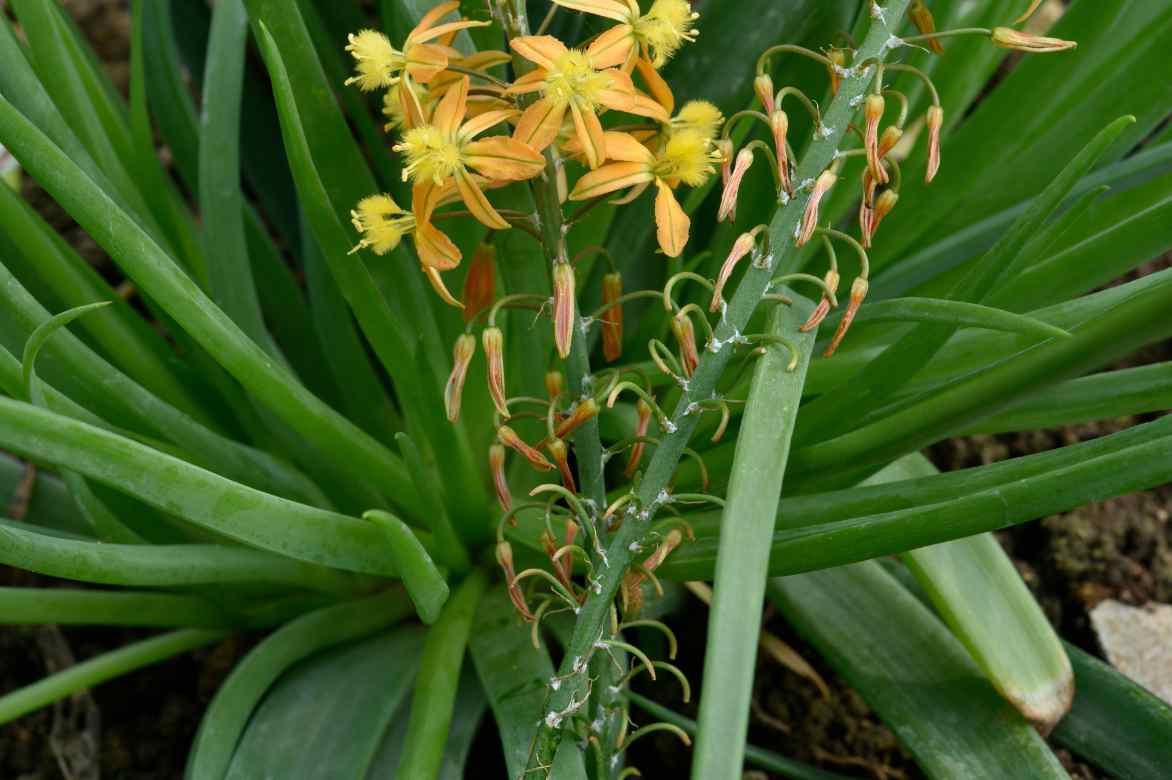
{"x":654,"y":36}
{"x":612,"y":318}
{"x":642,"y":423}
{"x":571,"y":81}
{"x":504,"y":557}
{"x":493,"y":341}
{"x":779,"y":126}
{"x":728,"y":198}
{"x":810,"y":216}
{"x":508,"y":437}
{"x":922,"y":18}
{"x":873,"y":110}
{"x":560,"y":454}
{"x":934,"y":120}
{"x":563,"y":307}
{"x":445,"y":150}
{"x":744,"y":244}
{"x":584,"y":411}
{"x":496,"y":466}
{"x":686,"y":158}
{"x":763,"y":86}
{"x":1016,"y":40}
{"x":379,"y":64}
{"x":461,"y":357}
{"x":480,"y":283}
{"x":866,"y":221}
{"x":859,"y":289}
{"x":685,"y":333}
{"x":823,"y":307}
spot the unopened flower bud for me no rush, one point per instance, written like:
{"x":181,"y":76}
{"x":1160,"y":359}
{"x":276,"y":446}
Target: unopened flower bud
{"x":810,"y":218}
{"x":779,"y":125}
{"x":508,"y":437}
{"x":563,"y":307}
{"x":763,"y":86}
{"x":838,"y":58}
{"x":744,"y":244}
{"x":583,"y":411}
{"x":823,"y":307}
{"x":887,"y":141}
{"x":934,"y":120}
{"x":873,"y":110}
{"x":612,"y":318}
{"x":496,"y":465}
{"x":561,"y":456}
{"x":553,"y":384}
{"x":866,"y":222}
{"x":728,"y":199}
{"x":480,"y":283}
{"x":494,"y":350}
{"x":643,"y":409}
{"x":859,"y":289}
{"x":504,"y":557}
{"x":461,"y":356}
{"x":883,"y":206}
{"x":724,"y":148}
{"x":685,"y":333}
{"x":1008,"y":38}
{"x":922,"y":18}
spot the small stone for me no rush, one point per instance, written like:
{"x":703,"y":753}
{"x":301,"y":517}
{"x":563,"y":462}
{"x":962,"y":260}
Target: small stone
{"x":1138,"y":642}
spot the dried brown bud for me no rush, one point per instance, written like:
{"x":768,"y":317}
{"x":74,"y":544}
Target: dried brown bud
{"x":838,"y":58}
{"x":480,"y":283}
{"x":883,"y":206}
{"x":669,"y":543}
{"x":644,"y":421}
{"x":823,"y":307}
{"x":461,"y":356}
{"x":504,"y":557}
{"x":494,"y":350}
{"x":685,"y":333}
{"x":583,"y":411}
{"x":887,"y":141}
{"x":563,"y":307}
{"x":612,"y":318}
{"x":508,"y":437}
{"x":561,"y":456}
{"x":496,"y":465}
{"x":922,"y":18}
{"x":553,"y":384}
{"x":859,"y":289}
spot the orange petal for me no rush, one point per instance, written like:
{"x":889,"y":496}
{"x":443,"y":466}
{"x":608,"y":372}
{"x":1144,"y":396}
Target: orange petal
{"x":611,"y":177}
{"x":541,"y":49}
{"x":451,"y":109}
{"x":414,"y":114}
{"x":501,"y":157}
{"x":478,"y":124}
{"x":614,"y":47}
{"x":451,"y":28}
{"x":478,"y":204}
{"x":671,"y":223}
{"x":425,"y":197}
{"x":435,"y":249}
{"x":631,"y":196}
{"x":622,"y":96}
{"x":433,"y":16}
{"x":437,"y":284}
{"x":530,"y":82}
{"x":590,"y":136}
{"x":621,"y":146}
{"x":540,"y":124}
{"x":426,"y":61}
{"x":656,"y":85}
{"x":610,"y":9}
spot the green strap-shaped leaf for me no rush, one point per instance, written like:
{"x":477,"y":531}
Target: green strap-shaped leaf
{"x":228,"y":714}
{"x":419,"y":573}
{"x":151,"y":268}
{"x":43,"y":606}
{"x":978,"y":592}
{"x":742,"y":560}
{"x":913,"y":673}
{"x":103,"y":667}
{"x":960,"y":314}
{"x":439,"y":674}
{"x":515,"y":674}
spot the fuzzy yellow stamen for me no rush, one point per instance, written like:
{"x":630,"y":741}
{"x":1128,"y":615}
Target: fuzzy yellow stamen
{"x":665,"y":28}
{"x":699,"y":116}
{"x":431,"y":155}
{"x":381,"y":222}
{"x":572,"y":80}
{"x":377,"y":62}
{"x":688,"y":157}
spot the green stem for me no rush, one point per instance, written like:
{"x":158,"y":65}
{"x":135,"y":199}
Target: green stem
{"x":592,"y":619}
{"x":104,"y":667}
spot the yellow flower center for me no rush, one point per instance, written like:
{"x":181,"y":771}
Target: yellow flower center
{"x":698,"y":116}
{"x":687,"y":157}
{"x":381,"y":222}
{"x":377,"y":63}
{"x":665,"y":28}
{"x":572,"y":80}
{"x":431,"y":155}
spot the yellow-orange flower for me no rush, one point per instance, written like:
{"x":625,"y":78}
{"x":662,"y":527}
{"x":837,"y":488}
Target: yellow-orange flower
{"x":570,"y":80}
{"x":445,"y":150}
{"x":686,"y":157}
{"x":654,"y":36}
{"x":379,"y":64}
